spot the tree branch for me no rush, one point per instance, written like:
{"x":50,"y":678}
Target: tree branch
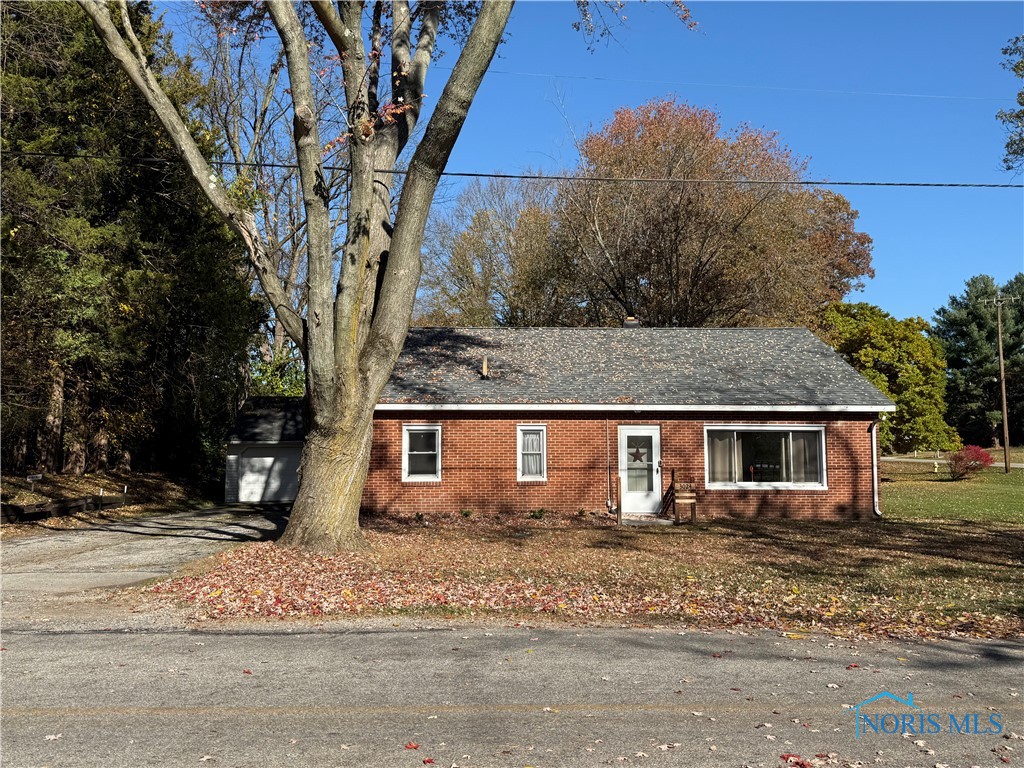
{"x":343,"y":27}
{"x":408,"y":68}
{"x":398,"y":291}
{"x":321,"y":371}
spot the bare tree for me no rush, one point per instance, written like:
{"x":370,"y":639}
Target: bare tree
{"x":495,"y":259}
{"x":248,"y":105}
{"x":360,"y":261}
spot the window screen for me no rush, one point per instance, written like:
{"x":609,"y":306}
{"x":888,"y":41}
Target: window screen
{"x":422,"y":460}
{"x":532,"y":452}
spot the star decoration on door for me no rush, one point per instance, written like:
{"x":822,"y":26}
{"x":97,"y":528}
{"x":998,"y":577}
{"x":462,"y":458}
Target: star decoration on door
{"x":637,"y":455}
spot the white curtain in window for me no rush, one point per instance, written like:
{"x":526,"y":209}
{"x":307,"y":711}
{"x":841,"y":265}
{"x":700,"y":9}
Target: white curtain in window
{"x":806,"y":457}
{"x":721,"y":450}
{"x":533,"y":453}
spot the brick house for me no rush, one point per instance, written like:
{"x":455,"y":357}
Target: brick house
{"x":766,"y":422}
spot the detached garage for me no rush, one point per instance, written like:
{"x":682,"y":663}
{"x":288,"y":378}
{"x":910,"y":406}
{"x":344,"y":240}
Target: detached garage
{"x":263,"y":452}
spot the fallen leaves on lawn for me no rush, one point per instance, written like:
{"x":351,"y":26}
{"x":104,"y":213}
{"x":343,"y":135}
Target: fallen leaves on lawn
{"x":575,"y":574}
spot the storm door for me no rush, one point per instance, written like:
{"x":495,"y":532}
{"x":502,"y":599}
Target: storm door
{"x":640,"y":468}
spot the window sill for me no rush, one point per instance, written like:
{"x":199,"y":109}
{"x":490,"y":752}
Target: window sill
{"x":532,"y":480}
{"x":422,"y":480}
{"x":765,"y":487}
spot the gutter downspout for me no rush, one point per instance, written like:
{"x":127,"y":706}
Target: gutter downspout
{"x":874,"y":467}
{"x":608,"y":462}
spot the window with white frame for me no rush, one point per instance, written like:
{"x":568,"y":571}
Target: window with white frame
{"x":421,"y":452}
{"x":532,"y":463}
{"x":762,"y":455}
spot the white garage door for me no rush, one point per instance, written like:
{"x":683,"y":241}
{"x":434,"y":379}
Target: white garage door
{"x":268,"y":473}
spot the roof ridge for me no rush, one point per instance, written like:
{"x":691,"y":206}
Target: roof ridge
{"x":760,"y":329}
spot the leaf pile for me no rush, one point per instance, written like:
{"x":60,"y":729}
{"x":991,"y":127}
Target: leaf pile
{"x":713,"y":577}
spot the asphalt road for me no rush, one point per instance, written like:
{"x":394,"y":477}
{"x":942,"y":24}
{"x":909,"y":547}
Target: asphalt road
{"x":86,"y":682}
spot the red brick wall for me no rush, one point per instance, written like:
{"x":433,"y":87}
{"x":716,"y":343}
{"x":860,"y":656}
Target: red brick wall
{"x":478,"y":465}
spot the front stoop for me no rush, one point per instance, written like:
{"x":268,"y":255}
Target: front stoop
{"x":640,"y":520}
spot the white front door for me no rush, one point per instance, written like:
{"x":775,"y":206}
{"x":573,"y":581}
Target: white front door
{"x":640,"y":469}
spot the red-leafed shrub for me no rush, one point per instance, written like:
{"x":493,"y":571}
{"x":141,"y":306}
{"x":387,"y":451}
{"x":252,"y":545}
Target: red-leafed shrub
{"x":968,"y":461}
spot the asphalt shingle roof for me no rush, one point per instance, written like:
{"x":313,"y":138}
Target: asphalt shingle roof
{"x":643,"y":366}
{"x":689,"y":367}
{"x":269,"y":420}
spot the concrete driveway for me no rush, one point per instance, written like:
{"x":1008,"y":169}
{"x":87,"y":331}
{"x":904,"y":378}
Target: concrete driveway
{"x":51,"y":567}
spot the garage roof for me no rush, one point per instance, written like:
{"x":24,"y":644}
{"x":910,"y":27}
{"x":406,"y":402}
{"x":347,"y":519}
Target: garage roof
{"x":269,"y":420}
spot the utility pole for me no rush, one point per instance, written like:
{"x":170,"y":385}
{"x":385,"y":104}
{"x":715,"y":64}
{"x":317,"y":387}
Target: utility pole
{"x":999,"y":300}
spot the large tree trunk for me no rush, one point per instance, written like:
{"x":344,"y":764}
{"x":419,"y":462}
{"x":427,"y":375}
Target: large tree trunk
{"x":99,"y":450}
{"x":354,"y":324}
{"x":74,"y":464}
{"x":75,"y":428}
{"x":124,"y":462}
{"x":335,"y":459}
{"x":19,"y":453}
{"x":51,"y":449}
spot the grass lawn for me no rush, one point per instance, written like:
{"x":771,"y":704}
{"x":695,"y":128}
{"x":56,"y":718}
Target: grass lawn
{"x":944,"y":561}
{"x":913,"y":491}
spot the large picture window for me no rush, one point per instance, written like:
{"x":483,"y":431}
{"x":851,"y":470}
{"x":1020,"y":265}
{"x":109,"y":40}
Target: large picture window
{"x":765,"y":456}
{"x":532,"y":449}
{"x":421,"y":452}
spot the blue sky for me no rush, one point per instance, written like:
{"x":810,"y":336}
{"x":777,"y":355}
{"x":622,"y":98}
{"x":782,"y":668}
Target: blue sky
{"x":867,"y":91}
{"x":815,"y":72}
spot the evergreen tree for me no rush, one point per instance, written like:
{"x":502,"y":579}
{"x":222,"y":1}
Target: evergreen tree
{"x":966,"y":328}
{"x":126,"y":313}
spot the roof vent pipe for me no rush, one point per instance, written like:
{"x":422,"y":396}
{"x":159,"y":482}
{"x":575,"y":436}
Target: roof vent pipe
{"x":485,"y":372}
{"x":630,"y":322}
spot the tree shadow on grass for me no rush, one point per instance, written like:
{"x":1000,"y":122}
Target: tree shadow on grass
{"x":242,"y":524}
{"x":925,"y":555}
{"x":972,"y":543}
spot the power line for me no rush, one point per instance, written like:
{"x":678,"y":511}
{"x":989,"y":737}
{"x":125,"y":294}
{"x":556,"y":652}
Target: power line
{"x":784,"y":88}
{"x":557,"y":177}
